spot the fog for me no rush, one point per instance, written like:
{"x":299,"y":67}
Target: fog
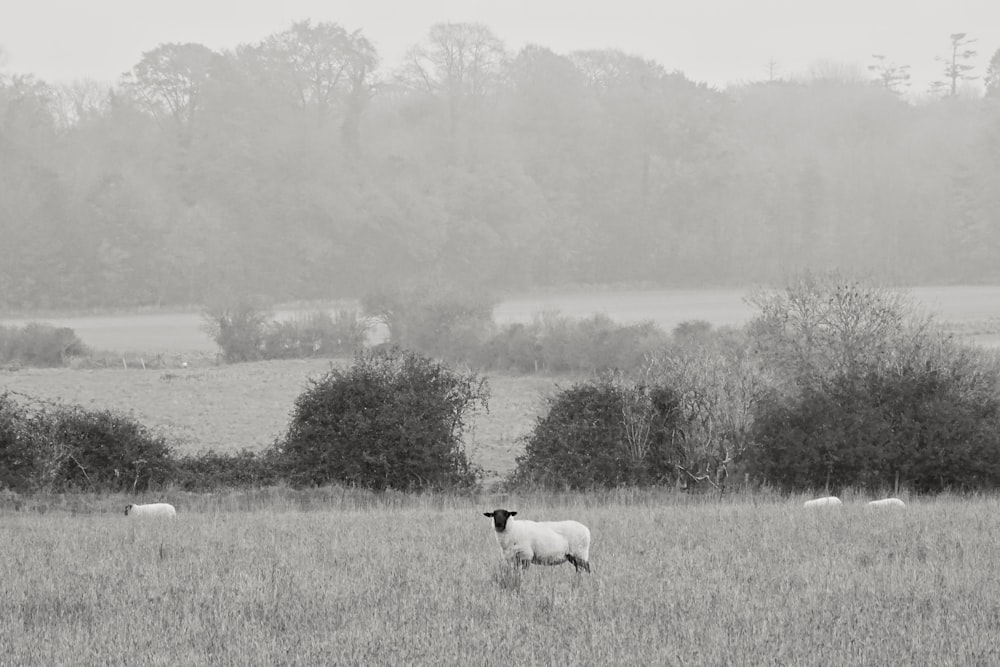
{"x":311,"y":162}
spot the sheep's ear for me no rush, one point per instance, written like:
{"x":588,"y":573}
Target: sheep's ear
{"x":489,"y":514}
{"x":512,"y":513}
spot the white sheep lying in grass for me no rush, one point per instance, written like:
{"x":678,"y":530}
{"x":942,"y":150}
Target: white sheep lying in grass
{"x":541,"y":542}
{"x":152,"y":509}
{"x":829,"y":501}
{"x":887,"y":502}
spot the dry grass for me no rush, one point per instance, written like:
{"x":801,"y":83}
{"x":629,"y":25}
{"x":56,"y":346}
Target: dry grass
{"x":674,"y":582}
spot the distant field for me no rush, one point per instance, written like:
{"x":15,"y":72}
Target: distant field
{"x":974,"y":310}
{"x":227,"y":408}
{"x":676,"y":581}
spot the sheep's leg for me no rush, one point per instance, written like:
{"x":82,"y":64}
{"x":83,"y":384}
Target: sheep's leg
{"x":521,"y":560}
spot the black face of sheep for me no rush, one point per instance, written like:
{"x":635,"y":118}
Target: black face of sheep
{"x":127,"y":508}
{"x":499,"y":519}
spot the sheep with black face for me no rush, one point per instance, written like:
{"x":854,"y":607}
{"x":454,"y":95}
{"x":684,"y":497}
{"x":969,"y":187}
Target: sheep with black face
{"x":525,"y":542}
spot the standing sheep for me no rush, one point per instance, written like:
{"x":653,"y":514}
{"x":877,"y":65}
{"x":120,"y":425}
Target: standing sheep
{"x":829,"y":501}
{"x":152,"y":509}
{"x":524,"y":542}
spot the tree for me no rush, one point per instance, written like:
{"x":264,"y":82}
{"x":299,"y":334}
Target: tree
{"x":322,"y":69}
{"x":992,"y":79}
{"x":461,"y":64}
{"x":827,"y":325}
{"x":170,"y":81}
{"x":957,"y":66}
{"x":890,"y":75}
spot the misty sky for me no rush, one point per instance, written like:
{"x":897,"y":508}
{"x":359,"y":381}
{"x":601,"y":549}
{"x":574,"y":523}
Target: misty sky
{"x":716,"y":41}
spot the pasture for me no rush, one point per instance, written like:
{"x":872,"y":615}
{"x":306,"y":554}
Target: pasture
{"x":300,"y":580}
{"x":331,"y":576}
{"x":247,"y":406}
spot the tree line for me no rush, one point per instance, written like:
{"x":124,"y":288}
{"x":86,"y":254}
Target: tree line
{"x":298,"y":167}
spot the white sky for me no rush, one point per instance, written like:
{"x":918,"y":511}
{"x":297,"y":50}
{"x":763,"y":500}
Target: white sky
{"x":716,"y":41}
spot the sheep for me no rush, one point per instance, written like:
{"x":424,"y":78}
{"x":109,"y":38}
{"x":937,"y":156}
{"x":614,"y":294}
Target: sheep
{"x":525,"y":542}
{"x":829,"y":501}
{"x":152,"y":509}
{"x":887,"y":502}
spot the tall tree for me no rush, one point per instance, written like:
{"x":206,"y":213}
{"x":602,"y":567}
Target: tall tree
{"x":170,"y":80}
{"x":957,"y":65}
{"x":324,"y":70}
{"x":461,"y":64}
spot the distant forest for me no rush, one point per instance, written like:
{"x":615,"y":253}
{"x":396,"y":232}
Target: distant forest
{"x":298,"y":168}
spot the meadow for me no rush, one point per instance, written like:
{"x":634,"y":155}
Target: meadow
{"x":336,"y":576}
{"x":320,"y":578}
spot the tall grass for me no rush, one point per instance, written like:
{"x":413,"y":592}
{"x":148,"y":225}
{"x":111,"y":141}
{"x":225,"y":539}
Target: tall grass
{"x":418,"y":581}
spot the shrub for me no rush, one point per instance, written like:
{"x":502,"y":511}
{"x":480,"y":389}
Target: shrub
{"x":914,"y":427}
{"x":62,"y":448}
{"x":17,"y":460}
{"x":238,"y":329}
{"x":603,"y":434}
{"x":316,"y":334}
{"x":869,"y":393}
{"x":39,"y":344}
{"x":438,"y":322}
{"x":212,"y":471}
{"x":392,"y":420}
{"x":559,"y":344}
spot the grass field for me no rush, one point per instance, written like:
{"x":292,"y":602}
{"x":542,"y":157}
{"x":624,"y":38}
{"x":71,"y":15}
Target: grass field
{"x":677,"y":581}
{"x":328,"y":576}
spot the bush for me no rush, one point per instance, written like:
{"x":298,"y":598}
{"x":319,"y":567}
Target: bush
{"x":392,"y":420}
{"x":212,"y":471}
{"x":916,"y":427}
{"x":559,"y":344}
{"x":317,"y":334}
{"x":238,"y":329}
{"x":38,"y":344}
{"x":869,"y":393}
{"x":64,"y":448}
{"x":438,"y":322}
{"x":593,"y":436}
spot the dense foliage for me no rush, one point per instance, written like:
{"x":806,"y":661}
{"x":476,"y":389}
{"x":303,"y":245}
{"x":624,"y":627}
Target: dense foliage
{"x":246,"y":331}
{"x":38,"y":344}
{"x":458,"y":326}
{"x":394,"y":419}
{"x":68,"y":448}
{"x":836,"y":383}
{"x":593,"y":435}
{"x":296,"y":167}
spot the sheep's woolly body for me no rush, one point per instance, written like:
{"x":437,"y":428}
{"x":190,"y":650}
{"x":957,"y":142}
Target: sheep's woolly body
{"x":151,"y":509}
{"x":829,"y":501}
{"x":523,"y":542}
{"x":887,"y":502}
